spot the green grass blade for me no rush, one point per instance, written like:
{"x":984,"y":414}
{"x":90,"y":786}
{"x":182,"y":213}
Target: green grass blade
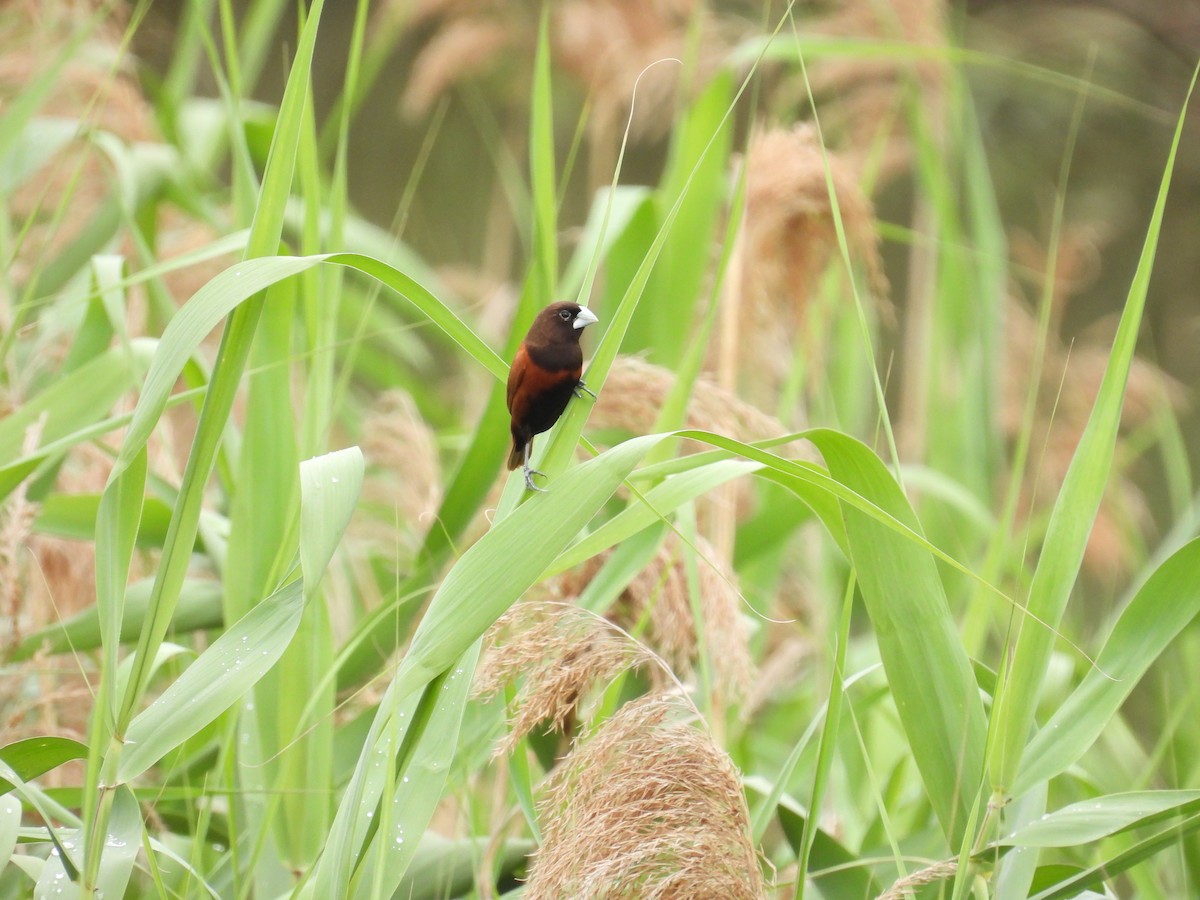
{"x":1088,"y":821}
{"x":1164,"y":606}
{"x":199,"y":609}
{"x":329,"y":487}
{"x":928,"y":671}
{"x":650,"y":508}
{"x":262,"y":539}
{"x":486,"y":580}
{"x":1097,"y":875}
{"x":215,"y":681}
{"x":118,"y":521}
{"x":542,"y":172}
{"x":10,"y":827}
{"x":827,"y":744}
{"x":695,"y":178}
{"x":835,"y":870}
{"x":121,"y":845}
{"x":31,"y":757}
{"x":1071,"y":521}
{"x":419,"y":787}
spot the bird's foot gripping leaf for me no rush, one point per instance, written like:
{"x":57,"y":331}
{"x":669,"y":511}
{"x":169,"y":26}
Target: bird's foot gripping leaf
{"x":581,"y":388}
{"x":529,"y":485}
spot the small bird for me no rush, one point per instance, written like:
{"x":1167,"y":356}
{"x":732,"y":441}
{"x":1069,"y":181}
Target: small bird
{"x":543,"y":376}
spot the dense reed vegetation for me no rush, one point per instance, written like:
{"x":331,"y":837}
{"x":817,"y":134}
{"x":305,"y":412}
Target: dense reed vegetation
{"x":860,"y":578}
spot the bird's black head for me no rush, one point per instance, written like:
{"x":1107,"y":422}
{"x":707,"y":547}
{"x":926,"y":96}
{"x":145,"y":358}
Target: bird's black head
{"x":559,"y":323}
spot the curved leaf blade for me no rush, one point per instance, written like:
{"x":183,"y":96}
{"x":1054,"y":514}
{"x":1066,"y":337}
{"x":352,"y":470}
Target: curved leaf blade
{"x":218,"y":678}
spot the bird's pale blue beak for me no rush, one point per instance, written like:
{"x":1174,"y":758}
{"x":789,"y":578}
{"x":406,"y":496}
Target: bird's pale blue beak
{"x":585,"y":317}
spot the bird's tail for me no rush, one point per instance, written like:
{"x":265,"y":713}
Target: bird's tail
{"x":517,"y":457}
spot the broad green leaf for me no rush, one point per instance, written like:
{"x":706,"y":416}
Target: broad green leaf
{"x":422,"y":782}
{"x":1163,"y":607}
{"x":495,"y":571}
{"x":444,"y":868}
{"x":329,"y":487}
{"x":655,"y":503}
{"x":199,"y":609}
{"x":1090,"y":820}
{"x":54,"y":881}
{"x":360,"y":803}
{"x":262,"y":536}
{"x":10,"y":826}
{"x":32,"y":757}
{"x":296,"y":701}
{"x":214,"y":682}
{"x":74,"y":516}
{"x":696,"y":177}
{"x":1069,"y":884}
{"x":929,"y":674}
{"x":121,"y":844}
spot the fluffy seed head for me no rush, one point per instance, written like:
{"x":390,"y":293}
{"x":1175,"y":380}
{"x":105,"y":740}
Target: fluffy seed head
{"x":647,"y":807}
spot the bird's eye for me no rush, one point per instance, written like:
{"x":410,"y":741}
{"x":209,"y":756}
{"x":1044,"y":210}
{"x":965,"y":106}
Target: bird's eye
{"x":564,"y":314}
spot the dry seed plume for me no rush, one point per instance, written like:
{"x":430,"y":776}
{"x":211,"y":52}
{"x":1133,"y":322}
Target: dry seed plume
{"x":403,"y":469}
{"x":563,"y":653}
{"x":871,"y":93}
{"x":401,"y":492}
{"x":789,"y":236}
{"x":657,"y":602}
{"x":76,"y":176}
{"x":635,"y":391}
{"x":646,"y":807}
{"x":609,"y":45}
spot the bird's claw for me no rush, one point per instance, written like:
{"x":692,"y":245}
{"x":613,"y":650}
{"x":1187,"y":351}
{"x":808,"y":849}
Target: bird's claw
{"x":529,"y":485}
{"x":580,"y":389}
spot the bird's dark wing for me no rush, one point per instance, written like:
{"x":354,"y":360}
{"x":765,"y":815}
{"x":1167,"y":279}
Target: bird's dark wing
{"x":516,"y":374}
{"x":539,"y":398}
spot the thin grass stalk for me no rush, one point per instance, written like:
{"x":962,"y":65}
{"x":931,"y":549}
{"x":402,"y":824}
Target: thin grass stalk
{"x":999,"y":546}
{"x":188,"y":51}
{"x":859,"y":308}
{"x":1074,"y":511}
{"x":827,"y":744}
